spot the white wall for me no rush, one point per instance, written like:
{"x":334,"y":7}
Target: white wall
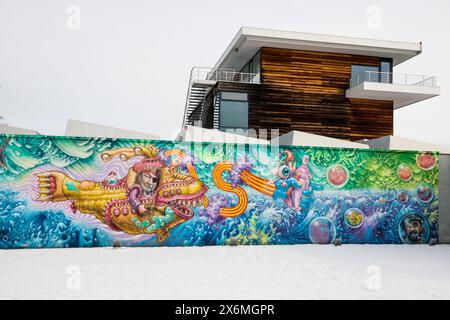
{"x":197,"y":134}
{"x":298,"y":138}
{"x":4,"y":128}
{"x":85,"y":129}
{"x":399,"y":143}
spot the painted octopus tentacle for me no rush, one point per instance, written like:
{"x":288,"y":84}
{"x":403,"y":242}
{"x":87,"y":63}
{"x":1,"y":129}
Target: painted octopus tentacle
{"x":237,"y":210}
{"x":259,"y":184}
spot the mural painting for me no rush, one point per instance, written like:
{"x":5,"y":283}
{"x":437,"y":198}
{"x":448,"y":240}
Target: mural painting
{"x":89,"y":192}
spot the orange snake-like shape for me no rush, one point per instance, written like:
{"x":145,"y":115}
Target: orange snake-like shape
{"x":259,"y":184}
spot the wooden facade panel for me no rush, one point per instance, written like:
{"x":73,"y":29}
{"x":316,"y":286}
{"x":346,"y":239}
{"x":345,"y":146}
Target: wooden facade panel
{"x":305,"y":91}
{"x":369,"y":118}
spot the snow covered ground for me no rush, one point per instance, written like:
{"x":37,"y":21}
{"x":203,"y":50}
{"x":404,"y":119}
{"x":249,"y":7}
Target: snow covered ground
{"x":259,"y":272}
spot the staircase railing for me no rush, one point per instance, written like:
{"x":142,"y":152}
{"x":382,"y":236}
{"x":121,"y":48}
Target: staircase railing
{"x":201,"y":76}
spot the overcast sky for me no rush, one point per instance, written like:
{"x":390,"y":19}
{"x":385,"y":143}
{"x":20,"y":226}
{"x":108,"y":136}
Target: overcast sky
{"x":126,"y":63}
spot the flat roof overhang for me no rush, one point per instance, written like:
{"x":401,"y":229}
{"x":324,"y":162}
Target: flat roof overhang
{"x":401,"y":95}
{"x":248,"y":41}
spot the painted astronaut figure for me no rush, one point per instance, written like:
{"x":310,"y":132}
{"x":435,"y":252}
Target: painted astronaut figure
{"x":303,"y":176}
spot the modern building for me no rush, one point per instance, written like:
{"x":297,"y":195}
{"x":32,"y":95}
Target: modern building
{"x":339,"y":87}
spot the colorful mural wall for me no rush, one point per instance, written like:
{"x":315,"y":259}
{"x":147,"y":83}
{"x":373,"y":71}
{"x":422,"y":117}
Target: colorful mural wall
{"x":88,"y":192}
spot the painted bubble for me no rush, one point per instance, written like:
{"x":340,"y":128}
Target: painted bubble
{"x":426,"y":160}
{"x":403,"y":197}
{"x":337,"y":175}
{"x":322,"y":231}
{"x":353,"y":218}
{"x":424,"y":192}
{"x":404,"y":172}
{"x":413,"y":229}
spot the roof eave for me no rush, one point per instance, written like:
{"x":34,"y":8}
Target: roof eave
{"x":400,"y":51}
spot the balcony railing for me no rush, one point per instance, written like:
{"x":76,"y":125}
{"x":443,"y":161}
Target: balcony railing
{"x":393,"y":78}
{"x":200,"y":74}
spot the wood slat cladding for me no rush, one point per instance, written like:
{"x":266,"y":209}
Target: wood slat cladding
{"x":303,"y":90}
{"x":371,"y":119}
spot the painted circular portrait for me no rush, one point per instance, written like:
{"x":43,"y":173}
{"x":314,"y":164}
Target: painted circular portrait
{"x":403,"y":197}
{"x":354,"y":218}
{"x":426,"y":160}
{"x":322,"y":231}
{"x":424,"y":192}
{"x":404,"y":172}
{"x":337,"y":175}
{"x":414,"y":229}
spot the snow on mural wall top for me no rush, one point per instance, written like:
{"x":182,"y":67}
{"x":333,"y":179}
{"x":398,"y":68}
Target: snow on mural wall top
{"x":86,"y":192}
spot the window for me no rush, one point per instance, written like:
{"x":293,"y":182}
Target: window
{"x":256,"y":63}
{"x":233,"y":111}
{"x":386,"y":71}
{"x":381,"y":73}
{"x":253,"y":66}
{"x":246,"y":68}
{"x":364,"y":73}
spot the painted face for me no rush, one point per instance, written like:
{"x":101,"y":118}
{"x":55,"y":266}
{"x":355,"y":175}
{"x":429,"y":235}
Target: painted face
{"x":148,"y":182}
{"x":413,"y":230}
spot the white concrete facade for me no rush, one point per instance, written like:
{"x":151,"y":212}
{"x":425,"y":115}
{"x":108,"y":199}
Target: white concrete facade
{"x":401,"y":95}
{"x":76,"y":128}
{"x":303,"y":139}
{"x":197,"y":134}
{"x":399,"y":143}
{"x":298,"y":138}
{"x":6,"y":129}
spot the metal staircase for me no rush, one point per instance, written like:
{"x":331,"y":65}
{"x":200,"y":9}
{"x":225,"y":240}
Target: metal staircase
{"x":201,"y":80}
